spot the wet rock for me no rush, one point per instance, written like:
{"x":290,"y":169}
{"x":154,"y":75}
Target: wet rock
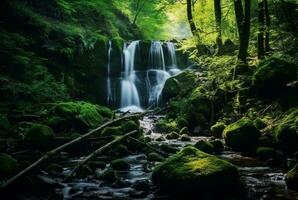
{"x":242,"y":135}
{"x":217,"y":146}
{"x":204,"y":146}
{"x":217,"y":129}
{"x":130,"y":126}
{"x":185,"y":138}
{"x":119,"y":151}
{"x":172,"y":136}
{"x":8,"y":165}
{"x":112,"y":131}
{"x":155,"y":157}
{"x":265,"y":141}
{"x":168,"y":148}
{"x":160,"y":139}
{"x":55,"y":168}
{"x":142,"y":185}
{"x":184,"y":130}
{"x":84,"y":171}
{"x":266,"y":153}
{"x":97,"y":164}
{"x":292,"y":178}
{"x":119,"y":164}
{"x":109,"y":175}
{"x":39,"y":136}
{"x":190,"y":172}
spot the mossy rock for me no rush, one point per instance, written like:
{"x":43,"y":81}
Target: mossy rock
{"x":155,"y":157}
{"x":120,"y":165}
{"x":217,"y":146}
{"x":242,"y":135}
{"x":4,"y":123}
{"x":265,"y":141}
{"x":185,"y":138}
{"x":119,"y":151}
{"x":184,"y":130}
{"x":110,"y":176}
{"x":168,"y":148}
{"x":84,"y":171}
{"x":8,"y":165}
{"x":58,"y":123}
{"x":191,"y":171}
{"x":292,"y":178}
{"x":217,"y":129}
{"x":97,"y":164}
{"x":129,"y":126}
{"x":172,"y":136}
{"x":166,"y":126}
{"x":204,"y":146}
{"x":55,"y":168}
{"x":112,"y":131}
{"x":39,"y":135}
{"x":271,"y":77}
{"x":286,"y":133}
{"x":266,"y":153}
{"x":260,"y":123}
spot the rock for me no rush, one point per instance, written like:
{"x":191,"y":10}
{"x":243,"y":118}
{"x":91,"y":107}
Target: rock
{"x":266,"y":153}
{"x":192,"y":171}
{"x":164,"y":125}
{"x":185,"y":138}
{"x":204,"y":146}
{"x":58,"y":123}
{"x":55,"y":168}
{"x":292,"y":178}
{"x":271,"y":77}
{"x":8,"y":165}
{"x":172,"y":136}
{"x":217,"y":129}
{"x":4,"y":123}
{"x":286,"y":133}
{"x":179,"y":85}
{"x":129,"y":126}
{"x":97,"y":164}
{"x":109,"y":176}
{"x":84,"y":171}
{"x":39,"y":136}
{"x":120,"y":165}
{"x":259,"y":123}
{"x":155,"y":157}
{"x":119,"y":151}
{"x":142,"y":185}
{"x":160,"y":139}
{"x":242,"y":135}
{"x":184,"y":130}
{"x":265,"y":141}
{"x":112,"y":131}
{"x":217,"y":146}
{"x":168,"y":149}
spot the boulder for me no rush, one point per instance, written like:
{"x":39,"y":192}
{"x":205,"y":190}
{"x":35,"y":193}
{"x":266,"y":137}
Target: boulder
{"x":184,"y":130}
{"x":266,"y":153}
{"x":39,"y":135}
{"x":185,"y":138}
{"x":265,"y":141}
{"x":217,"y":129}
{"x":58,"y":123}
{"x":204,"y":146}
{"x":172,"y":136}
{"x":4,"y":123}
{"x":218,"y":146}
{"x":8,"y":165}
{"x":109,"y":175}
{"x":242,"y":135}
{"x":97,"y":164}
{"x":292,"y":178}
{"x":192,"y":171}
{"x":286,"y":133}
{"x":120,"y":165}
{"x":155,"y":157}
{"x":271,"y":77}
{"x":112,"y":131}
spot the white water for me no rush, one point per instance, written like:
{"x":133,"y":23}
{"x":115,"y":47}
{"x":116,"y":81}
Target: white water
{"x":109,"y":88}
{"x":156,"y":74}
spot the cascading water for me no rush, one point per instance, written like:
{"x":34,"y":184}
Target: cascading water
{"x":143,"y":87}
{"x":129,"y":94}
{"x":109,"y":88}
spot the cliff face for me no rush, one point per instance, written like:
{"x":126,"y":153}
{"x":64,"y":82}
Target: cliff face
{"x":57,"y":49}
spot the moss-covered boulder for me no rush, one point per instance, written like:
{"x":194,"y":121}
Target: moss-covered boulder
{"x":204,"y":146}
{"x":265,"y":141}
{"x":8,"y":165}
{"x":4,"y":123}
{"x":185,"y":138}
{"x":112,"y":131}
{"x":172,"y":136}
{"x":109,"y":175}
{"x":184,"y":130}
{"x":266,"y":153}
{"x":242,"y":135}
{"x":217,"y":129}
{"x":39,"y":135}
{"x":58,"y":123}
{"x":218,"y":146}
{"x":192,"y":171}
{"x":120,"y":164}
{"x":155,"y":157}
{"x":180,"y":84}
{"x":292,"y":178}
{"x":286,"y":133}
{"x":130,"y":126}
{"x":271,"y":77}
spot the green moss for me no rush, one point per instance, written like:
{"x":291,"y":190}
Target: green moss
{"x":185,"y":138}
{"x":205,"y":146}
{"x":292,"y":178}
{"x":217,"y":146}
{"x":265,"y":153}
{"x":260,"y":123}
{"x":129,"y":126}
{"x":191,"y":170}
{"x":112,"y":131}
{"x":120,"y":164}
{"x":109,"y":176}
{"x":265,"y":141}
{"x":172,"y":136}
{"x":242,"y":135}
{"x":39,"y":135}
{"x":8,"y":165}
{"x":164,"y":125}
{"x":184,"y":130}
{"x":57,"y":123}
{"x":286,"y":133}
{"x":217,"y":129}
{"x":155,"y":157}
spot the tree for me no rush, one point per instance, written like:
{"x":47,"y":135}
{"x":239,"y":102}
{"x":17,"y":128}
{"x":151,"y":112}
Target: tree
{"x":243,"y":25}
{"x":190,"y":19}
{"x":138,"y":9}
{"x":267,"y":32}
{"x":217,"y":12}
{"x":261,"y":19}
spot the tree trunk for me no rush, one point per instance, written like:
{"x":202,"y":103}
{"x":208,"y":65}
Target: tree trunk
{"x":267,"y":32}
{"x":261,"y":16}
{"x":243,"y":24}
{"x":191,"y":22}
{"x":217,"y":12}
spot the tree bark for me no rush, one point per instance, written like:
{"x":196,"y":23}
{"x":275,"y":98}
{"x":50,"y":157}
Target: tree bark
{"x":243,"y":24}
{"x":217,"y":12}
{"x":261,"y":20}
{"x":268,"y":23}
{"x":191,"y":22}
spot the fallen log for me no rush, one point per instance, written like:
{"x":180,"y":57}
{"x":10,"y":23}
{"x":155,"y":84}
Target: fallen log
{"x":98,"y":151}
{"x":58,"y":149}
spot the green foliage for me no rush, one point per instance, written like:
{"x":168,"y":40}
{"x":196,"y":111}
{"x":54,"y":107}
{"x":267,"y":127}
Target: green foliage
{"x":39,"y":135}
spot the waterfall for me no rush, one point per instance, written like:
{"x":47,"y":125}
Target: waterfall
{"x":109,"y":88}
{"x":129,"y":94}
{"x":143,"y":87}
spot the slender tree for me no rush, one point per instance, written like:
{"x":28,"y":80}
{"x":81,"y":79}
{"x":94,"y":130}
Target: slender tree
{"x":261,"y":19}
{"x":243,"y":25}
{"x":193,"y":28}
{"x":218,"y":16}
{"x":268,"y":23}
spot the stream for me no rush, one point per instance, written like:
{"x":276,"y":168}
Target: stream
{"x":262,"y":182}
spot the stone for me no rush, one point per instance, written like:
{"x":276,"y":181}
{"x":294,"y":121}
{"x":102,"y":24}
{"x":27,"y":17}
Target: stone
{"x":217,"y":129}
{"x":266,"y":153}
{"x":155,"y":157}
{"x":120,"y":165}
{"x":185,"y":138}
{"x":39,"y":135}
{"x":204,"y":146}
{"x":172,"y":136}
{"x":8,"y":165}
{"x":218,"y":146}
{"x":292,"y":178}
